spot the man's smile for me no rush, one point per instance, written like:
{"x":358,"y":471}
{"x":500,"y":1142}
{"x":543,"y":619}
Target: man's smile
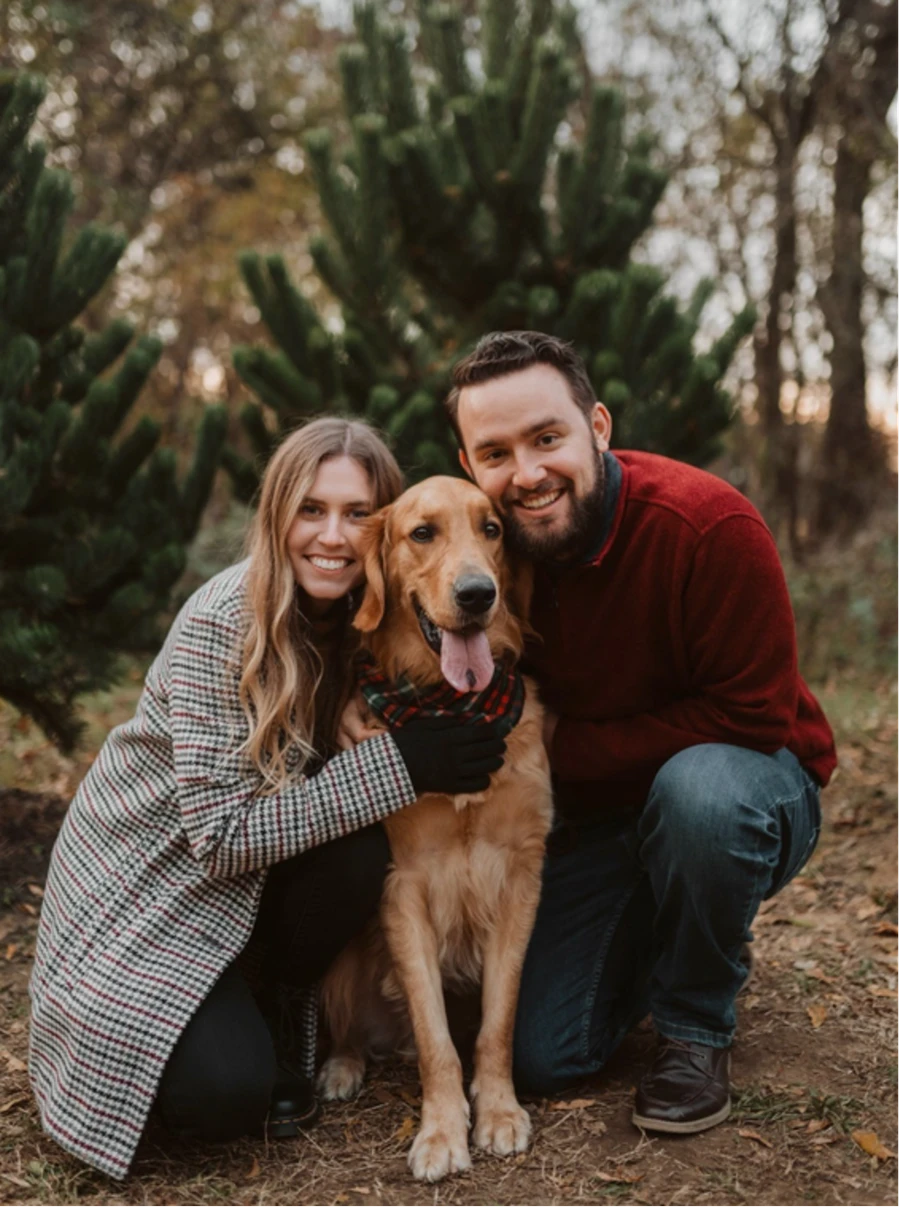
{"x":540,"y":502}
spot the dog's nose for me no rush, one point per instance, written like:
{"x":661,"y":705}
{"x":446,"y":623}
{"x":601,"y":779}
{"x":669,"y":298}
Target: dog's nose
{"x":474,"y":593}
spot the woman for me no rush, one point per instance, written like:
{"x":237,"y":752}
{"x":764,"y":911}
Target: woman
{"x":228,"y":767}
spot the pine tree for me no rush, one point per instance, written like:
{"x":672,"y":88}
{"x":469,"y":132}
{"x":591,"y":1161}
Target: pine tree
{"x":92,"y":527}
{"x":454,"y":209}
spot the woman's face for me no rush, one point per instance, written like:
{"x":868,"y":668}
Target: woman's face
{"x":324,"y":541}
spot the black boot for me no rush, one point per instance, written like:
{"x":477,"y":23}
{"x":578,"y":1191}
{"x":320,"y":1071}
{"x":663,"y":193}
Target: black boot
{"x":291,"y":1014}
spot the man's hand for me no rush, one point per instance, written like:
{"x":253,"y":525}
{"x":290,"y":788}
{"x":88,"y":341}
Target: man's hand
{"x":356,"y":724}
{"x":551,"y":720}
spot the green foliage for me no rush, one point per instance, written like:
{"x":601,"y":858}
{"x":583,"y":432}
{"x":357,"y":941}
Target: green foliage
{"x":93,"y":524}
{"x":455,"y":207}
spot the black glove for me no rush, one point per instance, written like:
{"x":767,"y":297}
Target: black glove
{"x":446,"y":755}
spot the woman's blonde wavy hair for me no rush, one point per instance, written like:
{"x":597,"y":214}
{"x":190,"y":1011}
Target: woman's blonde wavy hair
{"x":281,"y":685}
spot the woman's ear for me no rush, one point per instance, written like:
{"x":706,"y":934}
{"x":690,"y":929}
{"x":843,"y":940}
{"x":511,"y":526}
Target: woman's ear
{"x":371,"y":610}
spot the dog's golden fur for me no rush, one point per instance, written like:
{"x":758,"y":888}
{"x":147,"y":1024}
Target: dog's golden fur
{"x":460,"y":899}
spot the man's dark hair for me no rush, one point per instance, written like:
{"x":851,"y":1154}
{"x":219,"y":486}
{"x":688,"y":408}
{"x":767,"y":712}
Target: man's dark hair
{"x":503,"y":352}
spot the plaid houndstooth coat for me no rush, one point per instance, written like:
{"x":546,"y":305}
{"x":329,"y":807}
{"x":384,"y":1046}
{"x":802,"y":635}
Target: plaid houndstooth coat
{"x":156,"y":877}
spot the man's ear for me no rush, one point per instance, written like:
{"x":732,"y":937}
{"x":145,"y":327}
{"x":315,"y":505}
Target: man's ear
{"x":464,"y":462}
{"x":371,"y":610}
{"x":601,"y":426}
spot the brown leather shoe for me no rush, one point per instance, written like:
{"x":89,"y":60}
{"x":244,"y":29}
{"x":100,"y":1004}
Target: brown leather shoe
{"x":685,"y":1090}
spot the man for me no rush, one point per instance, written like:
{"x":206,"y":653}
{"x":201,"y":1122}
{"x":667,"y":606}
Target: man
{"x":687,"y":752}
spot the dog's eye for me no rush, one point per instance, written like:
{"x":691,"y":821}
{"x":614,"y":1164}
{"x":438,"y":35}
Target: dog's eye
{"x":422,"y":534}
{"x":492,"y":530}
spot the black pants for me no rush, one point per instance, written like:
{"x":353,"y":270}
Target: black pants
{"x":218,"y":1082}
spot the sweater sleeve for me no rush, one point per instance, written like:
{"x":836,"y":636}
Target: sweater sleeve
{"x":741,"y":653}
{"x":230,"y":827}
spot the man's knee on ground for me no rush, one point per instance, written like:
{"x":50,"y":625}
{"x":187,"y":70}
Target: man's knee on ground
{"x":538,"y":1068}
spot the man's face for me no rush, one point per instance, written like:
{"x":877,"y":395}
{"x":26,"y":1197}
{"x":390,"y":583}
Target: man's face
{"x":534,"y":452}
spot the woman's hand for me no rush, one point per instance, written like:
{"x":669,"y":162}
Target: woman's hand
{"x":356,"y":724}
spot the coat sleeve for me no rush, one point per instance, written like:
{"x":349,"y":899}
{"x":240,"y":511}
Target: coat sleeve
{"x":230,"y":827}
{"x":741,"y":651}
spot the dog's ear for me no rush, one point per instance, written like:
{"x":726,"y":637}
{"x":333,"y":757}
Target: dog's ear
{"x":371,"y":610}
{"x":520,"y":583}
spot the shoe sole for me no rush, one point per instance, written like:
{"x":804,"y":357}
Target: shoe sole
{"x":681,"y":1129}
{"x":289,"y":1126}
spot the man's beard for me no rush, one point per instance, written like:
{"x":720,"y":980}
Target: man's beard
{"x":579,"y":537}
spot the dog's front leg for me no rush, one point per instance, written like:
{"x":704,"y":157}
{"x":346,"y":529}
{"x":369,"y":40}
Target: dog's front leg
{"x":441,"y":1147}
{"x":501,"y":1125}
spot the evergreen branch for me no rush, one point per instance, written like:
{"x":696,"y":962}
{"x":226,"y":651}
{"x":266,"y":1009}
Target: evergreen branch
{"x":352,"y":62}
{"x":446,"y":20}
{"x":89,"y":263}
{"x":338,"y":202}
{"x":372,"y":256}
{"x":500,"y":18}
{"x":365,"y":18}
{"x":543,"y":110}
{"x":401,"y":105}
{"x":198,"y":483}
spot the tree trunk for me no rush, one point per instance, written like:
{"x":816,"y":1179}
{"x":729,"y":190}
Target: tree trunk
{"x":852,"y":456}
{"x":779,"y":465}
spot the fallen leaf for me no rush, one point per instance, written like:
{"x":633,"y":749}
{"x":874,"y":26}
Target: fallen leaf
{"x":361,"y":1189}
{"x":12,"y":1062}
{"x":573,"y":1104}
{"x":749,"y":1134}
{"x":817,"y":1015}
{"x":869,"y":1143}
{"x":878,"y":991}
{"x":410,"y":1098}
{"x":253,"y":1172}
{"x":11,"y":949}
{"x":869,"y":910}
{"x":16,"y":1181}
{"x":817,"y":1125}
{"x":619,"y":1176}
{"x":819,"y":975}
{"x":11,"y":1102}
{"x":825,"y":1138}
{"x":35,"y":890}
{"x":27,"y":908}
{"x":406,"y":1129}
{"x":886,"y":928}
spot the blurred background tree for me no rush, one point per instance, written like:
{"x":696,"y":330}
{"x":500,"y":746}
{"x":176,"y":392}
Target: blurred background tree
{"x":93,"y":522}
{"x":779,"y":126}
{"x":459,"y":204}
{"x":180,"y":121}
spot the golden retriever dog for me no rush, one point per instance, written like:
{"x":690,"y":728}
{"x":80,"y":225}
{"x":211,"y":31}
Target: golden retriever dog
{"x":442,"y":603}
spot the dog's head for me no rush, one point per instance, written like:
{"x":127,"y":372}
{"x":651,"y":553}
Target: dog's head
{"x":442,"y":595}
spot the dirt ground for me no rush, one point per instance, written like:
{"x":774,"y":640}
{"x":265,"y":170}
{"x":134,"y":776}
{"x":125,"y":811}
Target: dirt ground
{"x":814,"y":1065}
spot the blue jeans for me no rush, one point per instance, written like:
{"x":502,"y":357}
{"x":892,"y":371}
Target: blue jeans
{"x":650,"y":913}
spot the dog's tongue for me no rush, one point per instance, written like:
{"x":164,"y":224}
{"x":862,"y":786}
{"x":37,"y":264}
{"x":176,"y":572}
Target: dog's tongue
{"x":466,"y":662}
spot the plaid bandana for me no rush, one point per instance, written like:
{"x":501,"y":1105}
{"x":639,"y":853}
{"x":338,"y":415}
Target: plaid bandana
{"x":395,"y":703}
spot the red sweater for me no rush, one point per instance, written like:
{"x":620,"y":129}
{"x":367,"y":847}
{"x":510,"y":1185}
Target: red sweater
{"x":678,"y":632}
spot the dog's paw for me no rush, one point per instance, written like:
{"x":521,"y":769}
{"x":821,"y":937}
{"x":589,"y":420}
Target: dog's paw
{"x":502,"y":1129}
{"x":437,"y":1152}
{"x":341,"y":1077}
